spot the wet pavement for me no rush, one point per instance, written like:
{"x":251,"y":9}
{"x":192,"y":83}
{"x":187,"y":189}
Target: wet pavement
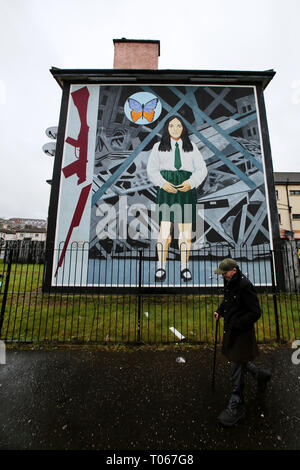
{"x":142,"y":399}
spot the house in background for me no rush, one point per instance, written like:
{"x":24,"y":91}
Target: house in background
{"x":287,"y":186}
{"x":26,"y":223}
{"x":7,"y":235}
{"x":34,"y":234}
{"x":26,"y":234}
{"x":21,"y":229}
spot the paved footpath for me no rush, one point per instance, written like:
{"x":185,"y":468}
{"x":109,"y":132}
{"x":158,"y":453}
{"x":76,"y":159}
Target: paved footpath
{"x":141,"y":399}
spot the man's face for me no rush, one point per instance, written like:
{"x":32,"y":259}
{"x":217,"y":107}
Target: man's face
{"x":229,"y":274}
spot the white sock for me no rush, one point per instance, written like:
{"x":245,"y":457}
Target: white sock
{"x":161,"y":265}
{"x":184,"y":266}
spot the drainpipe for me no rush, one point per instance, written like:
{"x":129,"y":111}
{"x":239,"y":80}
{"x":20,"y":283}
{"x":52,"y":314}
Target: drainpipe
{"x":289,"y":207}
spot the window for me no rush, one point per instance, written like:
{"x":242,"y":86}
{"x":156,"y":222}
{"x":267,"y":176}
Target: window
{"x":279,"y":218}
{"x":249,"y":132}
{"x":295,"y":192}
{"x":277,"y":195}
{"x":296,"y":216}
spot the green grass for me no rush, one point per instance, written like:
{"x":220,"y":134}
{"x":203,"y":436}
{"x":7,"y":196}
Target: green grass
{"x":31,"y":315}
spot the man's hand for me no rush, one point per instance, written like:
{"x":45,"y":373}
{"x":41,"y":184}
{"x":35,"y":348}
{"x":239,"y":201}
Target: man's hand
{"x":170,"y":188}
{"x":184,"y":187}
{"x":217,"y":316}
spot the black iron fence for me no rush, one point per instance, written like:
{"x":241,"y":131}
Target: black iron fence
{"x":114,"y":297}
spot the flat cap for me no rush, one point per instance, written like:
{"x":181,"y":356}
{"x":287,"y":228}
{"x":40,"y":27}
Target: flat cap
{"x":226,"y":265}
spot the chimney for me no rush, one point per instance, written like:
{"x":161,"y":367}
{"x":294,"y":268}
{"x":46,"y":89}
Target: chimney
{"x":136,"y":54}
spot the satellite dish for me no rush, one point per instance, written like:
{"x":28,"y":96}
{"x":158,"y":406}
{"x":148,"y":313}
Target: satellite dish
{"x":52,"y":132}
{"x":49,"y":148}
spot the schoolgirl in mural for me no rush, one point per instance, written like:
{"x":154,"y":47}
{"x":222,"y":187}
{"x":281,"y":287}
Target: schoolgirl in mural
{"x":177,"y":167}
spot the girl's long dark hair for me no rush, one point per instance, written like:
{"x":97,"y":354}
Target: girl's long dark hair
{"x":165,"y":143}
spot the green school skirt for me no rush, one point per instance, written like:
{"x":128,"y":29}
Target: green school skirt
{"x":179,"y":207}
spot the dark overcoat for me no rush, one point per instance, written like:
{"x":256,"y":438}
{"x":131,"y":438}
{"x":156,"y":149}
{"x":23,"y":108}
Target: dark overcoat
{"x":240,"y":310}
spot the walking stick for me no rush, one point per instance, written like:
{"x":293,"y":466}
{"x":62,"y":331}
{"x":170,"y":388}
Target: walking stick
{"x":215,"y":354}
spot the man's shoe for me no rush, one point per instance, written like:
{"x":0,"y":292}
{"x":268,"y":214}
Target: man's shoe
{"x":232,"y":415}
{"x":263,"y":377}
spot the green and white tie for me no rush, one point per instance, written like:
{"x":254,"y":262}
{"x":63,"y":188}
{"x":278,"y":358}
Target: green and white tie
{"x":177,"y":162}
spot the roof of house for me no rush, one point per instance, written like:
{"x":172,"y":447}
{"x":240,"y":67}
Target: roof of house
{"x":8,"y":231}
{"x":31,"y":230}
{"x":162,"y":76}
{"x":286,"y":177}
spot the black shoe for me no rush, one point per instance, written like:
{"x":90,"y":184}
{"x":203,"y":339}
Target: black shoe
{"x":232,"y":415}
{"x":160,"y":275}
{"x":186,"y":275}
{"x":263,"y":377}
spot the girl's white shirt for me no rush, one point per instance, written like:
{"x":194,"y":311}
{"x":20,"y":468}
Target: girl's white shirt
{"x":190,"y":161}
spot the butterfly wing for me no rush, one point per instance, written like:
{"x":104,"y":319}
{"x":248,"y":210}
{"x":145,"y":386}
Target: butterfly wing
{"x":151,"y":105}
{"x":149,"y":109}
{"x":135,"y":116}
{"x":149,"y":116}
{"x":135,"y":105}
{"x":136,"y":109}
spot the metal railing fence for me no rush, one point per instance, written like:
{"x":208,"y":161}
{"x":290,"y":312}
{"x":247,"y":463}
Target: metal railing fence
{"x":115,"y":299}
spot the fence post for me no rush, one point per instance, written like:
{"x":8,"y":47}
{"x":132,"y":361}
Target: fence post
{"x":139,"y":298}
{"x":274,"y":297}
{"x":5,"y":290}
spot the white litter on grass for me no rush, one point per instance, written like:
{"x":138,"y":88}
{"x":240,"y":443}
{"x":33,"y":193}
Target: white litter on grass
{"x":147,"y":314}
{"x":176,"y":333}
{"x":181,"y":360}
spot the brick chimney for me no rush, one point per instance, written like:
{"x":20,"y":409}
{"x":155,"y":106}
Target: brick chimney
{"x":136,"y":54}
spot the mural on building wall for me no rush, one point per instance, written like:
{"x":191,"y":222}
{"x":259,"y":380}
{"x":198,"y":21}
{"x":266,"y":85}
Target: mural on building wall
{"x":137,"y":190}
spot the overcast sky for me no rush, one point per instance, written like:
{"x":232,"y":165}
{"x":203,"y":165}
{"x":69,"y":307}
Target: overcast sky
{"x":194,"y":34}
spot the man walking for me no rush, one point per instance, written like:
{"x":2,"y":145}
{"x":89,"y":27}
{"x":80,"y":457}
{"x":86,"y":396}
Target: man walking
{"x":240,"y":309}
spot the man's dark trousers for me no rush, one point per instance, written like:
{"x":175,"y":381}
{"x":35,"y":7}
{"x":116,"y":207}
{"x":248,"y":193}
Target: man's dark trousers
{"x":238,"y":373}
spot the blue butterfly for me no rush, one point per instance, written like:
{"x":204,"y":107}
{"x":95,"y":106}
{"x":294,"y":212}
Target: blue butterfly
{"x":142,"y":110}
